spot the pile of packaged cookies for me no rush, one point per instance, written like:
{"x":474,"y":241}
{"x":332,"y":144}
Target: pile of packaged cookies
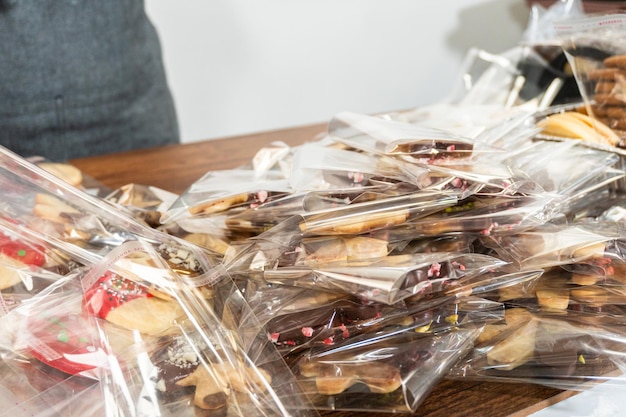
{"x":480,"y":238}
{"x":104,"y":315}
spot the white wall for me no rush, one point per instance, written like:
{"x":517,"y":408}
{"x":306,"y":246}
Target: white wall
{"x":242,"y":66}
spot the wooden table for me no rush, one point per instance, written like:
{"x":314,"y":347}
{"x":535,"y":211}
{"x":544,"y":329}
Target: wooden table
{"x":173,"y":168}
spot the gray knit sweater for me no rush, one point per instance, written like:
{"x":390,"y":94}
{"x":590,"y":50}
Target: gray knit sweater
{"x":81,"y":77}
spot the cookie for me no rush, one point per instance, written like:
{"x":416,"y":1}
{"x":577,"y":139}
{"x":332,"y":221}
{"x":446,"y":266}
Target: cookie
{"x":16,"y":255}
{"x":585,"y":279}
{"x":611,"y":112}
{"x":66,"y":172}
{"x":435,"y":149}
{"x":335,"y":377}
{"x":612,"y":99}
{"x":322,"y":326}
{"x":219,"y":205}
{"x":516,"y":348}
{"x":214,"y":383}
{"x":326,"y":250}
{"x":604,"y":87}
{"x":615,"y":61}
{"x":64,"y":342}
{"x":353,"y":225}
{"x":174,"y":361}
{"x":131,"y":306}
{"x":554,"y":299}
{"x":513,"y":317}
{"x":614,"y":123}
{"x":605,"y":74}
{"x":575,"y":125}
{"x":51,"y":208}
{"x":182,"y":260}
{"x":592,"y":295}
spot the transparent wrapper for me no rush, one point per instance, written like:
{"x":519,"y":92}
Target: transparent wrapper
{"x":402,"y":241}
{"x":540,"y":27}
{"x":218,"y":191}
{"x":282,"y":244}
{"x":373,"y":215}
{"x":88,"y":226}
{"x":151,"y":284}
{"x":170,"y":348}
{"x":146,"y":202}
{"x":566,"y":351}
{"x":388,"y":279}
{"x":484,"y":215}
{"x":52,"y":356}
{"x":28,"y":265}
{"x":321,"y":177}
{"x":199,"y":361}
{"x":532,"y":77}
{"x":553,"y":245}
{"x":541,"y":168}
{"x":358,"y":378}
{"x":252,"y":222}
{"x":378,"y":135}
{"x":316,"y":167}
{"x":594,"y":46}
{"x":393,"y":367}
{"x":492,"y":125}
{"x":564,"y":168}
{"x":351,"y":354}
{"x":73,"y":176}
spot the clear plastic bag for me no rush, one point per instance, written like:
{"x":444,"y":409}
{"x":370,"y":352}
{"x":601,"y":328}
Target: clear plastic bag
{"x":377,"y":135}
{"x":388,"y":279}
{"x":28,"y":265}
{"x":355,"y":355}
{"x":594,"y":46}
{"x":139,"y":284}
{"x":551,"y":245}
{"x":569,"y":352}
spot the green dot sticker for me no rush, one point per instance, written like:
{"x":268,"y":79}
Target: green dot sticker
{"x":21,"y":252}
{"x":63,"y":337}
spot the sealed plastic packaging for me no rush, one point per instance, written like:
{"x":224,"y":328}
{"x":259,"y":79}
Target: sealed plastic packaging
{"x":60,"y":212}
{"x":141,"y":285}
{"x":594,"y":46}
{"x":73,"y":176}
{"x":388,"y":279}
{"x":377,"y":135}
{"x":570,"y":351}
{"x":551,"y":245}
{"x":352,"y":354}
{"x":391,"y":374}
{"x":146,"y":202}
{"x":524,"y":76}
{"x":53,"y":358}
{"x":28,"y":265}
{"x":565,"y":329}
{"x":480,"y":216}
{"x":223,"y":190}
{"x":166,"y":349}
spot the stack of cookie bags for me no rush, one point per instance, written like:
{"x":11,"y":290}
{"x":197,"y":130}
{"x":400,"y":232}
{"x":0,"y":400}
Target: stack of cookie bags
{"x":367,"y":253}
{"x":103,"y":315}
{"x":566,"y":330}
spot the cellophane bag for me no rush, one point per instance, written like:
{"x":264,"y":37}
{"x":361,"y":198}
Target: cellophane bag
{"x":28,"y":265}
{"x":354,"y":354}
{"x":594,"y":45}
{"x":565,"y":329}
{"x":141,"y":288}
{"x":377,"y":192}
